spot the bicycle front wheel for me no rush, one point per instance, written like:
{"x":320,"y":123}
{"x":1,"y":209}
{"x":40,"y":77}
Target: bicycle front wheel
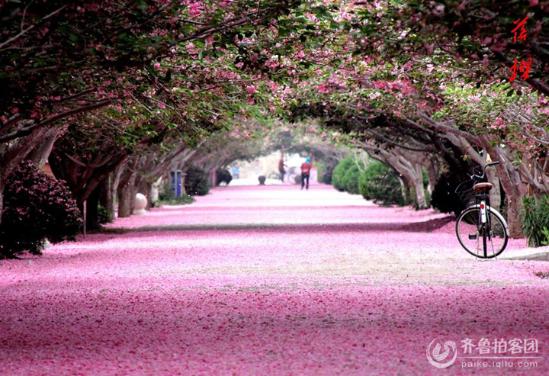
{"x":483,"y":240}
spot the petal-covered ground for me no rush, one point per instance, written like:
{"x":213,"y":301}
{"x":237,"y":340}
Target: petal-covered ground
{"x":269,"y":280}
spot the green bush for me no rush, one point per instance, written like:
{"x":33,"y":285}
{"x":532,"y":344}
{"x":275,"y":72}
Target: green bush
{"x":444,"y":196}
{"x":103,"y":215}
{"x":223,"y":175}
{"x":37,"y":207}
{"x":535,"y":220}
{"x":545,"y":232}
{"x":325,"y":170}
{"x":339,"y":172}
{"x":167,"y":197}
{"x":351,"y":177}
{"x":172,"y":200}
{"x":381,"y":184}
{"x":196,"y":182}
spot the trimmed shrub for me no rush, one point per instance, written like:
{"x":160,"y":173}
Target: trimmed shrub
{"x":535,"y":220}
{"x":37,"y":207}
{"x":196,"y":182}
{"x":339,"y":172}
{"x":325,"y":170}
{"x":172,"y":200}
{"x":167,"y":197}
{"x":351,"y":177}
{"x":444,"y":196}
{"x":327,"y":173}
{"x":223,"y":176}
{"x":381,"y":184}
{"x":103,"y":216}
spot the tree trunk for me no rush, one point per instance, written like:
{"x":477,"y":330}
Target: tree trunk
{"x":514,"y":210}
{"x":92,"y":213}
{"x":213,"y":177}
{"x":126,"y":196}
{"x":514,"y":192}
{"x":432,"y":173}
{"x":404,"y":190}
{"x":2,"y":186}
{"x":514,"y":189}
{"x":495,"y":193}
{"x":414,"y":183}
{"x":116,"y":176}
{"x":42,"y":152}
{"x":106,"y":199}
{"x":419,"y":189}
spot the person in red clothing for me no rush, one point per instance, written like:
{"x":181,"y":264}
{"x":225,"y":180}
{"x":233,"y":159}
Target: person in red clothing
{"x":306,"y":172}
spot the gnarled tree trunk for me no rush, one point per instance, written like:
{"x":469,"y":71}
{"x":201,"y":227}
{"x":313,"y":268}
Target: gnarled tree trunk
{"x":432,"y":174}
{"x":2,"y":186}
{"x":113,"y":192}
{"x":42,"y":152}
{"x":495,"y":193}
{"x":92,"y":214}
{"x":126,"y":195}
{"x":419,"y":189}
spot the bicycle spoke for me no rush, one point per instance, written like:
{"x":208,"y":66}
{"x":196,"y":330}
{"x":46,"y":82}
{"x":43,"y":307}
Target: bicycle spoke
{"x":481,"y":240}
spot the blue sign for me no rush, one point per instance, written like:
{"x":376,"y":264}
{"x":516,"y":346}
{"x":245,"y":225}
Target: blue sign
{"x":176,"y":183}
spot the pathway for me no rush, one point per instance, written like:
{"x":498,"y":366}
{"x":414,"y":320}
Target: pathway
{"x":266,"y":280}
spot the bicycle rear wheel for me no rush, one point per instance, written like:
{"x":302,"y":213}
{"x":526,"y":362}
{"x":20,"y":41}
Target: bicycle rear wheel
{"x":483,"y":240}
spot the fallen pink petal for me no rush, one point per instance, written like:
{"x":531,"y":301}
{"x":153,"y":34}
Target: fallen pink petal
{"x":281,"y":187}
{"x":231,"y":287}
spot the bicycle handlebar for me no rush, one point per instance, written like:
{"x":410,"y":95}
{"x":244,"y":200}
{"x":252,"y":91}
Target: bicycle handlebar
{"x":491,"y":164}
{"x":476,"y":176}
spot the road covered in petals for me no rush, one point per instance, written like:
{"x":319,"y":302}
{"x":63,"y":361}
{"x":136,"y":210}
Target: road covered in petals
{"x":272,"y":280}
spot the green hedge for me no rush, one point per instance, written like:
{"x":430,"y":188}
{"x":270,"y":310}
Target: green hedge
{"x":351,"y":177}
{"x":339,"y":172}
{"x":196,"y":182}
{"x":37,"y":207}
{"x":535,"y":220}
{"x":376,"y":181}
{"x":381,"y":184}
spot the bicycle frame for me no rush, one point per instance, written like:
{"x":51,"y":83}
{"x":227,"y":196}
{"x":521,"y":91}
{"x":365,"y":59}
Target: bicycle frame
{"x":486,"y":214}
{"x":483,"y":202}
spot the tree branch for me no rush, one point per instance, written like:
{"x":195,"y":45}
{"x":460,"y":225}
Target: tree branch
{"x":26,"y":30}
{"x":29,"y":128}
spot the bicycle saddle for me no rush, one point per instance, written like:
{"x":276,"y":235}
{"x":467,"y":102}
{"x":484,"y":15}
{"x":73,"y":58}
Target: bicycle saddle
{"x":482,"y":187}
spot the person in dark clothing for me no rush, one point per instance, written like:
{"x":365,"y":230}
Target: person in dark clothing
{"x":281,"y":169}
{"x":306,"y":173}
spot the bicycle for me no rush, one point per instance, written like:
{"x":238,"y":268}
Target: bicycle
{"x":481,"y":229}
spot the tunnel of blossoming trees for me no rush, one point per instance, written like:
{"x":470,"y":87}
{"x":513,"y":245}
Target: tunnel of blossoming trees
{"x":274,"y":187}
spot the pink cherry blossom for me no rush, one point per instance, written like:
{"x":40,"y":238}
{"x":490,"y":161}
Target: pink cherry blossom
{"x":195,"y":8}
{"x":251,"y":89}
{"x":323,"y":88}
{"x":191,"y":48}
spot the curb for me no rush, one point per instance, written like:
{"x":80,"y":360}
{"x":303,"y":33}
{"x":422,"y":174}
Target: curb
{"x":537,"y":254}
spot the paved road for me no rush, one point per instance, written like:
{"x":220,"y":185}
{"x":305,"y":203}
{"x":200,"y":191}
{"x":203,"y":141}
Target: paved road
{"x":270,"y":280}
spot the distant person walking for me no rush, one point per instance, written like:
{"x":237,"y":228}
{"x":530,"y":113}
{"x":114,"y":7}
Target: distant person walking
{"x":306,"y":172}
{"x":235,"y":172}
{"x":282,"y":169}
